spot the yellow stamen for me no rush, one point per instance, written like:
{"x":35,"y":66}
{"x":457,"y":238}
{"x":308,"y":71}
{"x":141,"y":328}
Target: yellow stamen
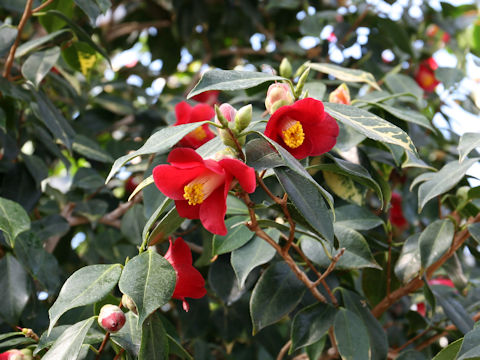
{"x":293,"y":136}
{"x":199,"y":133}
{"x":193,"y":193}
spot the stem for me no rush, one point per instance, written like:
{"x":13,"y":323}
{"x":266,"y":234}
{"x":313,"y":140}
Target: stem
{"x":284,"y":350}
{"x":43,"y":6}
{"x":11,"y":55}
{"x":102,"y":346}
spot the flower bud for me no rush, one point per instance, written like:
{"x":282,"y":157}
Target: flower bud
{"x":278,"y":95}
{"x":12,"y":354}
{"x":226,"y":116}
{"x":111,"y":318}
{"x":243,"y":118}
{"x":285,"y":68}
{"x":129,"y":304}
{"x":301,"y":83}
{"x":223,"y":114}
{"x":341,"y":95}
{"x":27,"y":354}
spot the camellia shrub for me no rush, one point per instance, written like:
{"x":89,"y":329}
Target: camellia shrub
{"x":307,"y":209}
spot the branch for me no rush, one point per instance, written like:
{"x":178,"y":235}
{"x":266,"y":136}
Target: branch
{"x":43,"y":6}
{"x":11,"y":55}
{"x":284,"y":350}
{"x":417,"y":283}
{"x":129,"y":27}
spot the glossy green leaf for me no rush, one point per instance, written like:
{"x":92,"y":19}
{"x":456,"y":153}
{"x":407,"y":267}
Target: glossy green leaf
{"x":408,"y":265}
{"x":154,"y":217}
{"x":474,"y":230}
{"x":351,"y":336}
{"x":93,"y":8}
{"x":68,"y":345}
{"x":237,"y":236}
{"x":468,"y":142}
{"x":222,"y":280}
{"x":154,"y":344}
{"x":434,"y":241}
{"x":133,"y":223}
{"x":443,"y":180}
{"x":450,"y":352}
{"x":311,"y":324}
{"x":421,"y":178}
{"x":231,"y":80}
{"x":28,"y":46}
{"x":254,"y":253}
{"x":13,"y":220}
{"x":470,"y":347}
{"x":370,"y":125}
{"x":344,"y":187}
{"x":8,"y":34}
{"x":53,"y":23}
{"x":457,"y":313}
{"x":400,"y":83}
{"x":169,"y":223}
{"x":85,"y":286}
{"x":235,"y":206}
{"x":316,"y":89}
{"x":261,"y":155}
{"x":145,"y":182}
{"x":411,"y":355}
{"x":15,"y":285}
{"x":90,"y":149}
{"x":129,"y":336}
{"x":276,"y":294}
{"x":16,"y":343}
{"x":149,"y":280}
{"x":307,"y":200}
{"x":449,"y":76}
{"x":345,"y":74}
{"x":38,"y":65}
{"x":376,"y":333}
{"x":160,"y":142}
{"x":356,"y":218}
{"x":88,"y":179}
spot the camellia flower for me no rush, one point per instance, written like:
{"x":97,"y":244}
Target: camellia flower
{"x":303,"y":128}
{"x":200,"y":187}
{"x":207,"y":97}
{"x":190,"y":282}
{"x":425,"y":76}
{"x":396,"y":212}
{"x":187,"y":114}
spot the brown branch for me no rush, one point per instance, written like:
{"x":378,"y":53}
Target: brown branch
{"x":119,"y":355}
{"x":43,"y":6}
{"x":11,"y":55}
{"x":284,"y":350}
{"x":102,"y":346}
{"x":129,"y":27}
{"x":417,"y":283}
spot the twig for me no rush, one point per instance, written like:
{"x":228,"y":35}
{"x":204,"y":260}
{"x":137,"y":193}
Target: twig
{"x":102,"y":346}
{"x":412,"y":340}
{"x":43,"y":6}
{"x":11,"y":55}
{"x":284,"y":350}
{"x":117,"y":357}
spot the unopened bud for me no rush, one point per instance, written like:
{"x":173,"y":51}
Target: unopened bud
{"x":285,"y":68}
{"x":111,"y":318}
{"x":341,"y":95}
{"x":278,"y":95}
{"x":129,"y":304}
{"x":301,"y":82}
{"x":12,"y":354}
{"x":243,"y":118}
{"x":301,"y":69}
{"x":221,"y":113}
{"x":27,"y":354}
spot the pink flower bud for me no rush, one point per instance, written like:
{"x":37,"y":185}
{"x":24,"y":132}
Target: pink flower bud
{"x":341,"y":95}
{"x":228,"y":112}
{"x":111,"y":318}
{"x":278,"y":95}
{"x":12,"y":354}
{"x":129,"y":304}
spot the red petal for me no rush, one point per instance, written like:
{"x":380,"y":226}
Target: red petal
{"x":302,"y":151}
{"x":243,"y":173}
{"x":323,"y":136}
{"x":201,"y":112}
{"x":184,"y":158}
{"x":183,"y":113}
{"x":178,"y":253}
{"x":187,"y":211}
{"x":212,"y":212}
{"x":171,"y":180}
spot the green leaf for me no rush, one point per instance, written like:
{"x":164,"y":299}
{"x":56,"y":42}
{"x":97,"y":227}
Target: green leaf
{"x":316,"y":89}
{"x":231,"y":80}
{"x":3,"y":121}
{"x":90,"y":149}
{"x":87,"y":179}
{"x":399,"y":83}
{"x":149,"y":280}
{"x":11,"y":334}
{"x":154,"y":345}
{"x":170,"y":222}
{"x":68,"y":345}
{"x":356,"y":218}
{"x":16,"y":342}
{"x":53,"y":119}
{"x":85,"y":286}
{"x":52,"y":23}
{"x":307,"y":200}
{"x":133,"y":223}
{"x":254,"y":253}
{"x":376,"y":333}
{"x":450,"y":352}
{"x":237,"y":236}
{"x":13,"y":220}
{"x":347,"y":138}
{"x":474,"y":230}
{"x":470,"y":348}
{"x":408,"y":265}
{"x":235,"y":206}
{"x":311,"y":324}
{"x":345,"y":74}
{"x":261,"y":155}
{"x":160,"y":142}
{"x":8,"y":34}
{"x":38,"y":65}
{"x":460,"y":318}
{"x":15,"y":286}
{"x":344,"y":187}
{"x":351,"y":336}
{"x":25,"y":48}
{"x":411,"y":355}
{"x":370,"y":125}
{"x":449,"y":76}
{"x":93,"y":336}
{"x":129,"y":336}
{"x":468,"y":142}
{"x":93,"y":8}
{"x":154,"y":217}
{"x":434,"y":241}
{"x":443,"y":181}
{"x":276,"y":294}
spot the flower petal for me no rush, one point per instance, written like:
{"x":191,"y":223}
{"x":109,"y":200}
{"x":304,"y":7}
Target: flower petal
{"x":212,"y":212}
{"x":178,"y":252}
{"x":184,"y":158}
{"x":243,"y":173}
{"x":183,"y":113}
{"x":170,"y":180}
{"x":201,"y":112}
{"x":187,"y":211}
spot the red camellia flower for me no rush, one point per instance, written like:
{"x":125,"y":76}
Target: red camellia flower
{"x":13,"y":354}
{"x":303,"y":128}
{"x":208,"y":97}
{"x":187,"y":114}
{"x":200,"y":187}
{"x":425,"y":77}
{"x":396,"y":212}
{"x":190,"y":282}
